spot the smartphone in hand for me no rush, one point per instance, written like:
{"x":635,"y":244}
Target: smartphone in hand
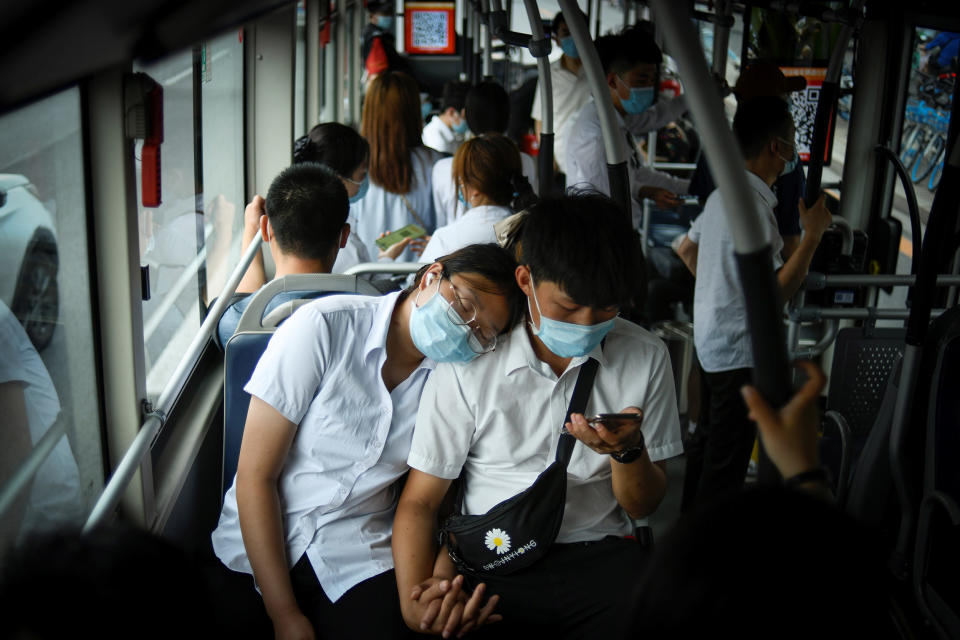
{"x":392,"y":238}
{"x":615,"y":421}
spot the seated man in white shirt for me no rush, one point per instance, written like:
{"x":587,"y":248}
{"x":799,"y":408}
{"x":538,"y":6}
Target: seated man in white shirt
{"x":631,"y":62}
{"x":446,"y":130}
{"x":764,"y":128}
{"x":498,"y":424}
{"x":488,"y":111}
{"x":305,"y":225}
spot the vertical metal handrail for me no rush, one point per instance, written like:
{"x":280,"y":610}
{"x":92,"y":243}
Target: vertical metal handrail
{"x":540,"y":48}
{"x":140,"y":446}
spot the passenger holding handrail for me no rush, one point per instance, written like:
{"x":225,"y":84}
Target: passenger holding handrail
{"x":497,"y":424}
{"x":332,"y":407}
{"x":631,"y":62}
{"x":400,"y":188}
{"x":487,"y":171}
{"x":765,"y":131}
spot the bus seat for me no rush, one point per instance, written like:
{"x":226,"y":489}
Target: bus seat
{"x":936,"y":555}
{"x":855,"y":401}
{"x":244,"y":349}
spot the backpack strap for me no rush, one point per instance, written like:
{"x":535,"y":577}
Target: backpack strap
{"x":578,"y":404}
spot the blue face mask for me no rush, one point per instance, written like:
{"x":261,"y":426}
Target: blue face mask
{"x":566,"y":339}
{"x":641,"y":98}
{"x":385,"y":22}
{"x":461,"y":127}
{"x":463,"y":201}
{"x":569,"y":48}
{"x":363,"y":189}
{"x":425,"y":109}
{"x":435,"y":334}
{"x":791,"y":164}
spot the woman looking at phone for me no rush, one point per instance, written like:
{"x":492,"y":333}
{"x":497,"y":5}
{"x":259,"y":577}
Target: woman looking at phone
{"x":400,"y":187}
{"x":332,"y":408}
{"x":486,"y":171}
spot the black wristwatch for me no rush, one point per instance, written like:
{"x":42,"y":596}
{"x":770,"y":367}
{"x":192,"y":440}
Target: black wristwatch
{"x":629,"y":454}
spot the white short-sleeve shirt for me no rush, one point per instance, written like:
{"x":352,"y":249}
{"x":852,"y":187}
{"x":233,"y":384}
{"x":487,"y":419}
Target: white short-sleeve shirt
{"x":381,"y":210}
{"x":473,"y":227}
{"x":338,"y":490}
{"x":499,"y":420}
{"x":587,"y":161}
{"x":570,"y":93}
{"x":437,"y":135}
{"x":719,"y":309}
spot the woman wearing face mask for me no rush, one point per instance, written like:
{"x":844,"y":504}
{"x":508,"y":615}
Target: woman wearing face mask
{"x":400,"y":187}
{"x":343,"y":151}
{"x":333,"y":402}
{"x":486,"y":169}
{"x":378,"y":47}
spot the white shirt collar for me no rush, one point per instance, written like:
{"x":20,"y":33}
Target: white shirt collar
{"x":377,"y":338}
{"x":762,"y":189}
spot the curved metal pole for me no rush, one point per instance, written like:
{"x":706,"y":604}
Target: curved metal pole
{"x":614,"y":142}
{"x":540,"y":47}
{"x":721,"y":39}
{"x":487,"y":26}
{"x":745,"y":220}
{"x":912,"y":207}
{"x":475,"y":60}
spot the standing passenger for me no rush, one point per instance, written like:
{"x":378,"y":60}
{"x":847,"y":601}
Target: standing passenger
{"x":631,"y":62}
{"x":446,"y":130}
{"x":400,"y":165}
{"x":486,"y":169}
{"x":764,"y":128}
{"x":332,"y":407}
{"x":378,"y":46}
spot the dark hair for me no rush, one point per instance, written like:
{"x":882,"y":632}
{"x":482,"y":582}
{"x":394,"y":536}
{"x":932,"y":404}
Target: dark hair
{"x":307,"y":207}
{"x":584,"y":243}
{"x":488,"y":163}
{"x":103,"y":584}
{"x":488,"y":108}
{"x":758,"y":121}
{"x":494,"y":265}
{"x":816,"y":572}
{"x":454,"y":95}
{"x":621,"y":52}
{"x":380,"y":7}
{"x":333,"y":145}
{"x":392,"y":124}
{"x":558,"y":19}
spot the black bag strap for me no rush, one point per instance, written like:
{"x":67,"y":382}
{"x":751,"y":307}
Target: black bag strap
{"x":578,"y":404}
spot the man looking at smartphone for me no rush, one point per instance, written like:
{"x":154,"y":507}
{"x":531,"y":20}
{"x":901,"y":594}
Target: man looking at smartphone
{"x":498,"y":422}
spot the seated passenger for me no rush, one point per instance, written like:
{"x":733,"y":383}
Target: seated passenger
{"x":486,"y":168}
{"x":766,"y":134}
{"x":344,"y":152}
{"x":496,"y":425}
{"x":488,"y":111}
{"x":332,"y":407}
{"x":631,"y":62}
{"x":446,"y":130}
{"x":400,"y":191}
{"x":305,"y":225}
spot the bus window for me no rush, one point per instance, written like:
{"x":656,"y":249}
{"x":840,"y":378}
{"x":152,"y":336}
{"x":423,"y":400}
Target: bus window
{"x":192,"y":239}
{"x":47,"y":362}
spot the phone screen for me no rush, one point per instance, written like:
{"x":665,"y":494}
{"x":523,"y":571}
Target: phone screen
{"x":616,"y":421}
{"x":392,"y":238}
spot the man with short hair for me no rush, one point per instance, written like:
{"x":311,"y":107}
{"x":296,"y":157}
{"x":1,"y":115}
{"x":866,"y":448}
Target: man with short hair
{"x":446,"y":130}
{"x":765,"y":131}
{"x":496,"y":424}
{"x":304,"y":221}
{"x":631,"y":62}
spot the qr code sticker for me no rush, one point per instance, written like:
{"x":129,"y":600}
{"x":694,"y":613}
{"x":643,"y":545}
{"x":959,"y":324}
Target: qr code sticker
{"x":430,"y":30}
{"x":804,"y":109}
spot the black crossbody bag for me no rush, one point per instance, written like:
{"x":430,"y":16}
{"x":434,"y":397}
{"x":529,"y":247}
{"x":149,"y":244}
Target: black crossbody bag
{"x":517,"y":532}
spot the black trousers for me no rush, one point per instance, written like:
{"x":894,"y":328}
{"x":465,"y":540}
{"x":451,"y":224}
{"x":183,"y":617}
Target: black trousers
{"x":579,"y":590}
{"x":728,"y":436}
{"x":371,"y":609}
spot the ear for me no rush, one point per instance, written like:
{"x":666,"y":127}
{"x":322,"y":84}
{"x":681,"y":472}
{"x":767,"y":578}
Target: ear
{"x":612,"y":82}
{"x":344,"y":234}
{"x":266,"y":231}
{"x":524,"y":281}
{"x":431,"y":275}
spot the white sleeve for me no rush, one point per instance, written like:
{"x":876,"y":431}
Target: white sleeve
{"x":661,"y":424}
{"x":529,"y":165}
{"x":647,"y":177}
{"x":291,"y":368}
{"x":435,"y":182}
{"x":586,"y":162}
{"x":445,"y":426}
{"x":694,"y":231}
{"x":535,"y":111}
